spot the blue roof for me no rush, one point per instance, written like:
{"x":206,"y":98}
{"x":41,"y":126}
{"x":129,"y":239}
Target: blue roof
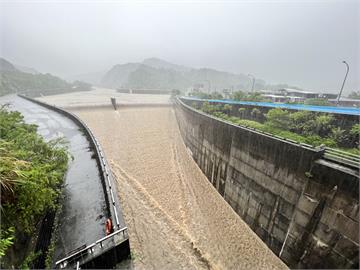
{"x":303,"y":107}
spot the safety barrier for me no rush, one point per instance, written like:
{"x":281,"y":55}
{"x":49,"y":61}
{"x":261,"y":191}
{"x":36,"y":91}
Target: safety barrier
{"x":87,"y":253}
{"x":342,"y":157}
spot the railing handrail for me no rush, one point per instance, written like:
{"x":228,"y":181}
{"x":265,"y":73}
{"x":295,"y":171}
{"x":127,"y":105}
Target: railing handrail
{"x":342,"y":160}
{"x":342,"y":156}
{"x":342,"y":152}
{"x":91,"y":245}
{"x":110,"y":235}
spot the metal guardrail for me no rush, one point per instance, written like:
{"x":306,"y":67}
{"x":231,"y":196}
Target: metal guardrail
{"x":342,"y":157}
{"x":107,"y":177}
{"x":89,"y":251}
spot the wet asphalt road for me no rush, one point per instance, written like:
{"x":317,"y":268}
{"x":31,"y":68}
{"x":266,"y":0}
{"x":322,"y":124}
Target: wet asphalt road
{"x":82,"y":220}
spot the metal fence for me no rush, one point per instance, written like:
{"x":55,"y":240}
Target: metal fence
{"x":342,"y":157}
{"x":95,"y":249}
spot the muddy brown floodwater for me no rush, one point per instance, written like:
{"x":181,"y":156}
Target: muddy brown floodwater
{"x":176,"y":218}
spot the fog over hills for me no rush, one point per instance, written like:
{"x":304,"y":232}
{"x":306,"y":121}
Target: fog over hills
{"x":6,"y":65}
{"x":155,"y":73}
{"x":27,"y":69}
{"x":302,"y":43}
{"x":15,"y":79}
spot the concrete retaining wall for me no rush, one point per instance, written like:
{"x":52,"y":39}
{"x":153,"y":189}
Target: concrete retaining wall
{"x":304,"y":208}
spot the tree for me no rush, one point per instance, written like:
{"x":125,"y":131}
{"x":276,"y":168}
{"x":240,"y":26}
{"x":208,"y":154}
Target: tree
{"x":227,"y":108}
{"x":255,"y":113}
{"x":242,"y":112}
{"x":300,"y":120}
{"x":355,"y":95}
{"x":323,"y":124}
{"x":209,"y":108}
{"x":338,"y":135}
{"x":238,"y":95}
{"x":318,"y":102}
{"x":216,"y":95}
{"x":278,"y":118}
{"x":354,"y":135}
{"x":256,"y":97}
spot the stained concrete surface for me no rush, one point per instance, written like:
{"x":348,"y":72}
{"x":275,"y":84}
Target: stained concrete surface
{"x":82,"y":220}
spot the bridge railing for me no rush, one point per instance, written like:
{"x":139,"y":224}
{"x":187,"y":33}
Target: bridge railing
{"x":93,"y":250}
{"x":342,"y":157}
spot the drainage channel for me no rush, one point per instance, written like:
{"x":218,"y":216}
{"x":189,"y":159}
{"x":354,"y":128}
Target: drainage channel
{"x":89,"y":195}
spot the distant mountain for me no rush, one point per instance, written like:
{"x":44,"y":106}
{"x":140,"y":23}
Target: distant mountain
{"x":161,"y":64}
{"x":118,"y":75}
{"x":154,"y":73}
{"x":6,"y":65}
{"x":93,"y":78}
{"x":12,"y":80}
{"x":27,"y":69}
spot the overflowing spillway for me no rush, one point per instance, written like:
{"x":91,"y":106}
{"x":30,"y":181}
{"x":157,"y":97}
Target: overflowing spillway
{"x":176,"y":219}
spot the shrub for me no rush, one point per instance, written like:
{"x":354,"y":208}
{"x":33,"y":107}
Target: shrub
{"x":31,"y":171}
{"x":227,"y":108}
{"x":318,"y":102}
{"x":278,"y":118}
{"x":238,"y":95}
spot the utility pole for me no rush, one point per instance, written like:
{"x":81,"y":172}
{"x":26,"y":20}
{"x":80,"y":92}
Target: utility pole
{"x":253,"y":82}
{"x":342,"y":87}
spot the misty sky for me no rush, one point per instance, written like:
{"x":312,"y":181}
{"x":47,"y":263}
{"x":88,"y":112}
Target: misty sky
{"x":301,"y":43}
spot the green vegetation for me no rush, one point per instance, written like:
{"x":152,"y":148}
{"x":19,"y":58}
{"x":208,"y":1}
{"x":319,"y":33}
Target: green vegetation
{"x":37,"y":84}
{"x":175,"y":92}
{"x":355,"y":95}
{"x":255,"y":97}
{"x":302,"y":126}
{"x":31,"y":173}
{"x":202,"y":95}
{"x":6,"y":240}
{"x":318,"y":102}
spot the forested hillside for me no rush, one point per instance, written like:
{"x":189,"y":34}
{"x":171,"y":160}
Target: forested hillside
{"x":13,"y":80}
{"x":155,"y":73}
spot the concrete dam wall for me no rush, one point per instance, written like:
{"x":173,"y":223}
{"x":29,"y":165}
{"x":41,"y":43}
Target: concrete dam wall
{"x":305,"y":208}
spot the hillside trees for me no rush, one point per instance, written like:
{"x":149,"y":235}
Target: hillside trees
{"x":302,"y":126}
{"x":31,"y":172}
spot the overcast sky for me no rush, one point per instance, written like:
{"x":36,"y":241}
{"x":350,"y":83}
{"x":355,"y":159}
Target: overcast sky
{"x":301,"y":43}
